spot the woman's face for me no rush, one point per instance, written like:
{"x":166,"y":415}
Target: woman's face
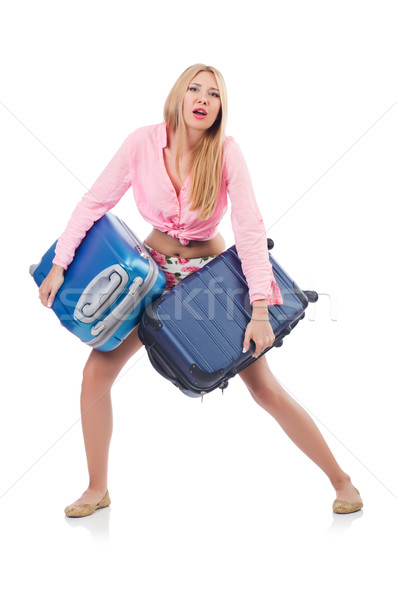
{"x":202,"y":102}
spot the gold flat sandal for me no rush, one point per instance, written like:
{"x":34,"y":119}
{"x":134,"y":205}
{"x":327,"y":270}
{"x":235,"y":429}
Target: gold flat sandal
{"x":343,"y":507}
{"x":83,"y":510}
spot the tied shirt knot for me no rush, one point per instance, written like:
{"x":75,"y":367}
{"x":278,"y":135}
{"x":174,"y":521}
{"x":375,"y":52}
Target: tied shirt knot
{"x":175,"y":232}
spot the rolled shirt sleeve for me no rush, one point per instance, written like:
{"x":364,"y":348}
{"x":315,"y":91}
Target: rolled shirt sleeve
{"x":104,"y":194}
{"x":248,"y":228}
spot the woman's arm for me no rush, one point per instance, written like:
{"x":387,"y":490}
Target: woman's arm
{"x":259,"y":329}
{"x":107,"y":190}
{"x":104,"y":194}
{"x":257,"y":305}
{"x":251,"y":245}
{"x":248,"y":228}
{"x":50,"y":285}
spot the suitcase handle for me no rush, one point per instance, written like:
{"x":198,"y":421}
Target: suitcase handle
{"x":129,"y":301}
{"x":100,"y":293}
{"x":112,"y":283}
{"x":121,"y":312}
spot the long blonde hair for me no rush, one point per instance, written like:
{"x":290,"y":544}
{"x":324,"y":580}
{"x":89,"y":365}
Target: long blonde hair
{"x":206,"y":167}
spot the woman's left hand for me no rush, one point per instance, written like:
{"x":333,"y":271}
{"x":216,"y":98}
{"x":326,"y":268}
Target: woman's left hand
{"x":261,"y":332}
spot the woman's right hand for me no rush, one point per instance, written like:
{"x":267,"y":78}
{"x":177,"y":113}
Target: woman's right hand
{"x":50,"y":286}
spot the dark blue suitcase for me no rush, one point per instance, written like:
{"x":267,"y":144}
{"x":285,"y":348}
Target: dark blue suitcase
{"x":194,"y":333}
{"x":107,"y":286}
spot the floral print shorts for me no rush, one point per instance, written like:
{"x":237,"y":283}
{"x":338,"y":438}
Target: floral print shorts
{"x":176,"y":268}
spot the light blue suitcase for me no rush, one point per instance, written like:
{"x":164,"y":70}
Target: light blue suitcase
{"x":110,"y":281}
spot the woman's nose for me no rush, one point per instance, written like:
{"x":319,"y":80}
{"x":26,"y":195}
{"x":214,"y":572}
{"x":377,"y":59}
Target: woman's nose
{"x":203,"y":99}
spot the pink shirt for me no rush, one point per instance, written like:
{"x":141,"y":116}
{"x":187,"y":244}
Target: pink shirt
{"x":139,"y":163}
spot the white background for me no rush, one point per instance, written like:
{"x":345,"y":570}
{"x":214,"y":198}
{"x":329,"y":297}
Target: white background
{"x":208,"y":501}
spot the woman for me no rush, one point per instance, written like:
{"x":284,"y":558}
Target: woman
{"x":181,"y":172}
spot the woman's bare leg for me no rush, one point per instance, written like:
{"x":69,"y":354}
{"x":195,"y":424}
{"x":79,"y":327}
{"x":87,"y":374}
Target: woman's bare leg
{"x":297,"y":424}
{"x":99,"y":375}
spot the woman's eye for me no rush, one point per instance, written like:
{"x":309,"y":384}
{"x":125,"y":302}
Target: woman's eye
{"x":192,"y":88}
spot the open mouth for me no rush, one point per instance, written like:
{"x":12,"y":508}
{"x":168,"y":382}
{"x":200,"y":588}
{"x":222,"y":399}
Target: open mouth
{"x":199,"y":113}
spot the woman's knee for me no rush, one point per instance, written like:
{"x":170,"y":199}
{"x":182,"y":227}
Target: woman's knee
{"x":103,"y":367}
{"x":268,"y":400}
{"x":264,"y":396}
{"x":262,"y":385}
{"x":99,"y":368}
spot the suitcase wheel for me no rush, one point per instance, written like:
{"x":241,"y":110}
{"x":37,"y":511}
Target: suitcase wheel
{"x":311,"y":295}
{"x":223,"y":385}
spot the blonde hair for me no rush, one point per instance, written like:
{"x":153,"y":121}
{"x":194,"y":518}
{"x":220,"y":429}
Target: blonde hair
{"x":206,"y":167}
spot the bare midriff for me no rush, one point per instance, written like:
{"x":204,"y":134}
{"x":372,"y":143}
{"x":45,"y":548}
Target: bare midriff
{"x":164,"y":243}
